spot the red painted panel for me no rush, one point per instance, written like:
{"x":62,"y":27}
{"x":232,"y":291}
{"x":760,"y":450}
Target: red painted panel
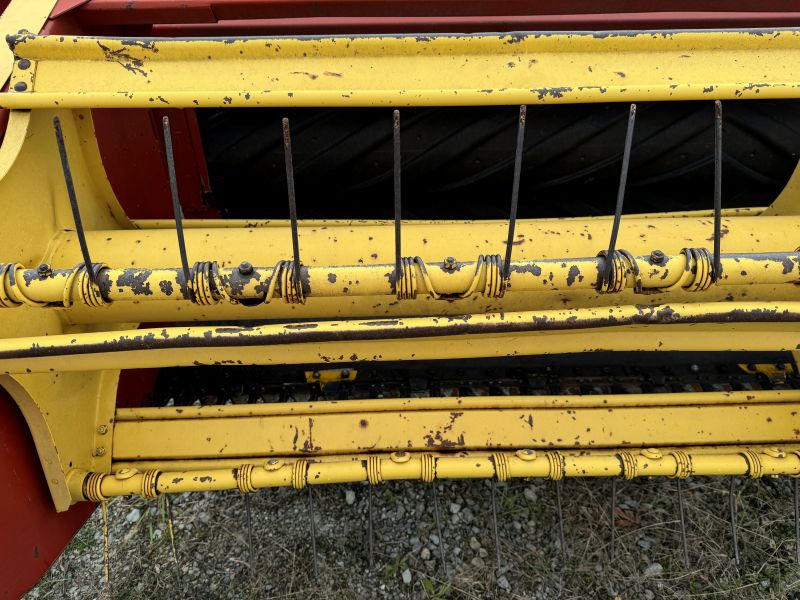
{"x":108,"y":12}
{"x":33,"y":533}
{"x":131,"y":143}
{"x":474,"y":24}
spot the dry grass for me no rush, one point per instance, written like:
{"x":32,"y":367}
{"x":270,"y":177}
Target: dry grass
{"x":211,"y":539}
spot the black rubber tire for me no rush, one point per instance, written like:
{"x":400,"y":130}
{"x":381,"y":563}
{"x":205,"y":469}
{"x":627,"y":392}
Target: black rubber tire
{"x":457,"y":162}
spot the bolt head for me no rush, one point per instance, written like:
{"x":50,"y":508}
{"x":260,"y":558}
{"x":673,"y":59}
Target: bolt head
{"x":44,"y":270}
{"x":449,"y":263}
{"x":780,"y":366}
{"x":20,"y":86}
{"x":102,"y":430}
{"x":99,"y":451}
{"x":345,"y":373}
{"x":272,"y":461}
{"x":657,"y":257}
{"x":245,"y":268}
{"x":315,"y":374}
{"x":23,"y":63}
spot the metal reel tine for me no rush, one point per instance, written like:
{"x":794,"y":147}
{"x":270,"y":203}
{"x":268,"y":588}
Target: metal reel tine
{"x":716,"y":272}
{"x":558,"y":484}
{"x":734,"y":534}
{"x":435,"y":501}
{"x":494,"y":524}
{"x":371,"y":533}
{"x":287,"y":155}
{"x":176,"y":209}
{"x":797,"y":519}
{"x":313,"y":531}
{"x":73,"y":200}
{"x":623,"y":180}
{"x":171,"y":530}
{"x":249,"y":522}
{"x":613,"y":518}
{"x":682,"y":516}
{"x":512,"y":217}
{"x":106,"y":569}
{"x":397,"y":165}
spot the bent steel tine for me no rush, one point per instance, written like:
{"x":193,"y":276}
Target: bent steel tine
{"x":734,"y":535}
{"x":717,"y":189}
{"x":435,"y":501}
{"x":494,"y":523}
{"x":176,"y":209}
{"x":623,"y":180}
{"x":397,"y":164}
{"x":171,"y":530}
{"x":287,"y":155}
{"x":313,"y":529}
{"x":73,"y":200}
{"x":684,"y":541}
{"x":512,"y":217}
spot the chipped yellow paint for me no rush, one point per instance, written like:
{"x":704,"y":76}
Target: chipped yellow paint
{"x":409,"y":70}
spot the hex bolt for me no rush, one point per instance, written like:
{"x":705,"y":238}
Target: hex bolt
{"x":315,"y":375}
{"x":20,"y":86}
{"x":44,"y":270}
{"x":99,"y":451}
{"x":272,"y":461}
{"x":656,"y":257}
{"x":695,"y":368}
{"x":449,"y":264}
{"x":345,"y":373}
{"x":400,"y":453}
{"x":23,"y":63}
{"x":245,"y":268}
{"x":102,"y":430}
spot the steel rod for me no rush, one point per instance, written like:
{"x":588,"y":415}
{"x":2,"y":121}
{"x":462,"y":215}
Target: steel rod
{"x":371,"y":532}
{"x":287,"y":154}
{"x":734,"y":535}
{"x":682,"y":516}
{"x":512,"y":217}
{"x":176,"y":209}
{"x":623,"y":180}
{"x":313,"y":531}
{"x":797,"y":519}
{"x":717,"y":189}
{"x":559,"y":483}
{"x":435,"y":501}
{"x":397,"y":199}
{"x":73,"y":200}
{"x":494,"y":523}
{"x":613,"y":518}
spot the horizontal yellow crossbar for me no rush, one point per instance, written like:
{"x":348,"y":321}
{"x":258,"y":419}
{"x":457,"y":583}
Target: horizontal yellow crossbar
{"x":352,"y":427}
{"x":702,"y":326}
{"x":519,"y":68}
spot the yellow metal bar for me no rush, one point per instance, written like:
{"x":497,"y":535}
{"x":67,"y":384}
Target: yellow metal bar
{"x":408,"y":70}
{"x":66,"y":287}
{"x":750,"y":461}
{"x":167,"y":413}
{"x":461,"y":424}
{"x":750,"y":326}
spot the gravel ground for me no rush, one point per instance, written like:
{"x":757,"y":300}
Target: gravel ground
{"x":213,"y":558}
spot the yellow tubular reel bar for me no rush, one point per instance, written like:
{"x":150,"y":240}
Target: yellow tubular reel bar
{"x":754,"y":462}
